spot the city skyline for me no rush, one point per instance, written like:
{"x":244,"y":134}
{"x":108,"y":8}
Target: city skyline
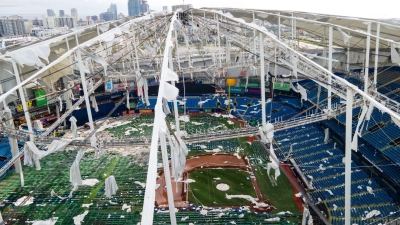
{"x":32,"y":8}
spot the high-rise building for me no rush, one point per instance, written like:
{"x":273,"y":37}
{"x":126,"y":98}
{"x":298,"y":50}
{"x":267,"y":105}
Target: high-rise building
{"x":74,"y":13}
{"x":113,"y":10}
{"x":10,"y":26}
{"x":106,"y":16}
{"x":94,"y":18}
{"x":50,"y":12}
{"x":62,"y":13}
{"x":134,"y":7}
{"x":144,"y":6}
{"x":165,"y":8}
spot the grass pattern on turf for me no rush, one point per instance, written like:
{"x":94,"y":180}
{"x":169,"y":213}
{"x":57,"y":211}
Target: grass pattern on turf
{"x":204,"y":192}
{"x":280,"y":195}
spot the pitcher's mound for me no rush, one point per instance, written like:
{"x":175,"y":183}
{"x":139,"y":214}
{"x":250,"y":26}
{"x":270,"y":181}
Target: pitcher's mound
{"x":222,"y":187}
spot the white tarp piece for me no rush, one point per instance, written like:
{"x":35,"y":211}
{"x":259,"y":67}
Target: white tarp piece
{"x":37,"y":125}
{"x":179,"y":152}
{"x":104,"y":27}
{"x":273,"y":164}
{"x":94,"y":103}
{"x":370,"y":190}
{"x":394,"y":55}
{"x":372,"y":214}
{"x":53,"y":193}
{"x":111,"y":186}
{"x":170,"y":92}
{"x":97,"y":59}
{"x":397,"y":122}
{"x":74,"y":172}
{"x":354,"y":143}
{"x":32,"y":154}
{"x":127,"y":100}
{"x":61,"y":103}
{"x":68,"y":97}
{"x":346,"y":37}
{"x":301,"y":90}
{"x":356,"y":57}
{"x":326,"y":136}
{"x":267,"y":132}
{"x":31,"y":56}
{"x":74,"y":128}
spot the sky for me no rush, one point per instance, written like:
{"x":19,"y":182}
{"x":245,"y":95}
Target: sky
{"x":357,"y":8}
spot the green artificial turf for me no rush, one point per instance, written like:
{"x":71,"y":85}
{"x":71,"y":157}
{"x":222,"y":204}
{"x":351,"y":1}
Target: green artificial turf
{"x":204,"y":192}
{"x":280,"y":195}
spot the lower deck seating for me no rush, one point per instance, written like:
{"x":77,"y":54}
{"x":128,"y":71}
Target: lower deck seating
{"x":323,"y":167}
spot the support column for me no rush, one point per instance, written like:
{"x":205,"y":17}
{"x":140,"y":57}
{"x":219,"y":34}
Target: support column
{"x":330,"y":68}
{"x":348,"y":56}
{"x":98,"y":30}
{"x":23,"y":101}
{"x":367,"y":49}
{"x":171,"y":67}
{"x":219,"y":42}
{"x":85,"y":92}
{"x":177,"y":52}
{"x":262,"y":75}
{"x":58,"y":111}
{"x":76,"y":39}
{"x":70,"y":56}
{"x":254,"y":34}
{"x":13,"y":144}
{"x":378,"y":30}
{"x":305,"y":214}
{"x":349,"y":121}
{"x":167,"y":174}
{"x":279,"y":26}
{"x":292,"y":26}
{"x":14,"y":147}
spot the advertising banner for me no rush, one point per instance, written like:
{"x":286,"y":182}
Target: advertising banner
{"x":40,"y":95}
{"x":109,"y":85}
{"x":235,"y":90}
{"x":282,"y":86}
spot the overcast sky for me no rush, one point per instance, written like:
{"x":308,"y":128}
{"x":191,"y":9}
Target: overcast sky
{"x":357,"y":8}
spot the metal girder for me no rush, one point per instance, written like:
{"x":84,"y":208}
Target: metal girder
{"x":313,"y":69}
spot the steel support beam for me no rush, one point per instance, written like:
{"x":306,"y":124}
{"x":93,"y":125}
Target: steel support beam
{"x":349,"y":122}
{"x":262,"y":75}
{"x":330,"y":68}
{"x":367,"y":50}
{"x":378,"y":30}
{"x":85,"y":91}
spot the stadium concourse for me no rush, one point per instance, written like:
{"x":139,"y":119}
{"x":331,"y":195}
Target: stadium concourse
{"x":204,"y":116}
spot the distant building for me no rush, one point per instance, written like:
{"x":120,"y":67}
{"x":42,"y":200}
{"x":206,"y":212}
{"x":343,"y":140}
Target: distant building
{"x":85,"y":22}
{"x":11,"y":26}
{"x":37,"y":22}
{"x":50,"y":12}
{"x":113,"y":10}
{"x":183,"y":7}
{"x":133,"y":7}
{"x":52,"y":22}
{"x":62,"y":13}
{"x":74,"y":13}
{"x":94,"y":18}
{"x":28,"y":26}
{"x":165,"y":8}
{"x":106,"y":16}
{"x":121,"y":16}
